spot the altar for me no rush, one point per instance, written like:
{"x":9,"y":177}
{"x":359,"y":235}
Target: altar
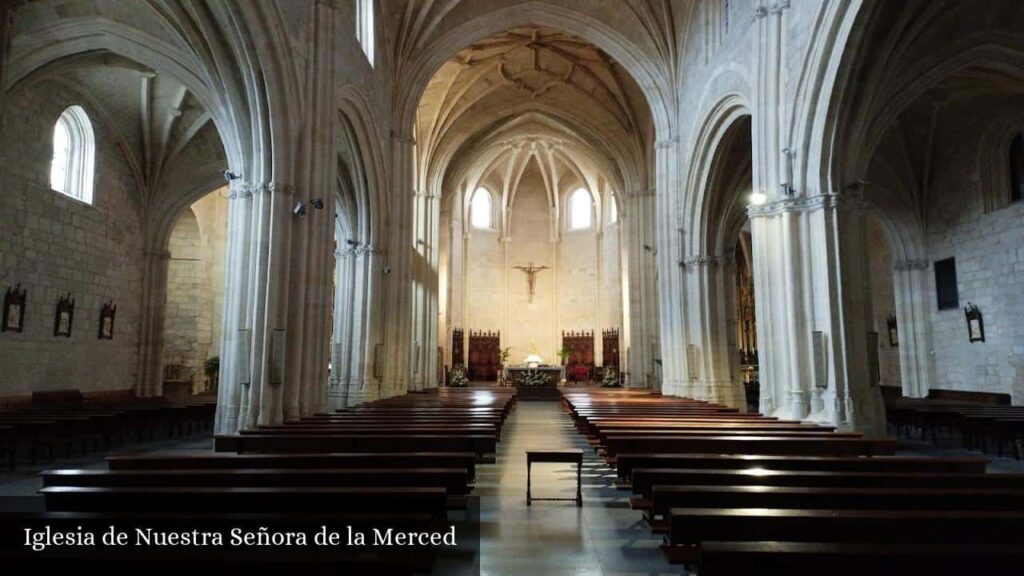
{"x":538,"y":382}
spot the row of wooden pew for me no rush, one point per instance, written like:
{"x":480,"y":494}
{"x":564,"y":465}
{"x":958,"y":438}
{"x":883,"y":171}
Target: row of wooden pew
{"x":402,"y":463}
{"x":67,"y":420}
{"x":740,"y":493}
{"x":977,"y":423}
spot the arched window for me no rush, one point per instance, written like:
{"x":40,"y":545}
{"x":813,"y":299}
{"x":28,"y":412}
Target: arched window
{"x":613,"y":207}
{"x":580,"y":209}
{"x":1017,"y":168}
{"x":481,"y":213}
{"x":74,"y":155}
{"x":364,"y":27}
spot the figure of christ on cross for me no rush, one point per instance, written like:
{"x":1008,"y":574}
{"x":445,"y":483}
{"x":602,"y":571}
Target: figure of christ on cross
{"x":531,"y":276}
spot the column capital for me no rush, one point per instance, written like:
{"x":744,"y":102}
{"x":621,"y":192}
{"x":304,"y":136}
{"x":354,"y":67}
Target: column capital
{"x":240,"y":190}
{"x":844,"y":202}
{"x":701,"y":260}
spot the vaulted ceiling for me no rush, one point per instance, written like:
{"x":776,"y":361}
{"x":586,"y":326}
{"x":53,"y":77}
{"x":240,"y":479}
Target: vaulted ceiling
{"x":531,"y":93}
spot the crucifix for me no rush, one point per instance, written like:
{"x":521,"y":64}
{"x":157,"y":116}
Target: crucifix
{"x":531,"y":276}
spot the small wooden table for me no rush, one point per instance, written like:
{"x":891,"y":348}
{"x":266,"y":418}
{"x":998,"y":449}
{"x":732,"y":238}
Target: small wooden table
{"x":571,"y":456}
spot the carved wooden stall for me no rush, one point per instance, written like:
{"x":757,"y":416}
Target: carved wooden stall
{"x":484,"y":355}
{"x":579,"y":364}
{"x":610,"y":347}
{"x":458,"y":347}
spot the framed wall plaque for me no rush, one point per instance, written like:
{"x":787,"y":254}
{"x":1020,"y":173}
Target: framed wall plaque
{"x":64,"y":316}
{"x":975,"y":323}
{"x":14,"y":309}
{"x":107,"y":313}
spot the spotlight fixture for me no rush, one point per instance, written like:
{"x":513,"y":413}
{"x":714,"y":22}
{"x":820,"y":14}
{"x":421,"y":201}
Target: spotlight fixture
{"x":352,"y":242}
{"x":299,"y":209}
{"x":229,"y":175}
{"x":317,"y":203}
{"x":758,"y":198}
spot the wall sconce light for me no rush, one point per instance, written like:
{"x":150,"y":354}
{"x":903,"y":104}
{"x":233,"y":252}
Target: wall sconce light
{"x":975,"y":323}
{"x":894,"y":336}
{"x":758,"y":198}
{"x":299,"y":209}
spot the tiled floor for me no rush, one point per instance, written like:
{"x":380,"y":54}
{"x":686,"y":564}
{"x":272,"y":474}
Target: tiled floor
{"x":604,"y":537}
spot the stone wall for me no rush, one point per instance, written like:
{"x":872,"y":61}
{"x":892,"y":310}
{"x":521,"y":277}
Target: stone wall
{"x":52,"y":244}
{"x":989,"y":252}
{"x":195,"y":286}
{"x":883,"y":303}
{"x":569,"y":295}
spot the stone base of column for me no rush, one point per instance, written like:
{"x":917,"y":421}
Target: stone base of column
{"x":727,"y":392}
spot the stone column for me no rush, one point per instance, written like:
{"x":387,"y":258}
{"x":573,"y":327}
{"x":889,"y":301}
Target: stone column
{"x":672,"y":316}
{"x":235,"y":380}
{"x":708,"y":300}
{"x":917,"y":357}
{"x":398,"y":312}
{"x":810,"y":267}
{"x":151,"y":330}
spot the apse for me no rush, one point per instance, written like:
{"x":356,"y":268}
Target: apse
{"x":533,"y":140}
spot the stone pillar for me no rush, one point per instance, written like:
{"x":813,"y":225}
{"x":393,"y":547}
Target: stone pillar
{"x":672,"y":316}
{"x":809,"y":270}
{"x":709,"y":295}
{"x":151,"y":330}
{"x":917,"y":357}
{"x":399,"y":307}
{"x":234,"y":380}
{"x":642,"y":295}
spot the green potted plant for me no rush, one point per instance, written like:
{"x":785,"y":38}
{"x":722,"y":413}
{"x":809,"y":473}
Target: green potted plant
{"x":564,"y":354}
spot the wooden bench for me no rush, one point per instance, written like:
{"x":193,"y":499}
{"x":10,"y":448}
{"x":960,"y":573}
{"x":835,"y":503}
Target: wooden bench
{"x":752,"y":445}
{"x":453,"y":480}
{"x":432,"y":501}
{"x":483,"y":446}
{"x":690,"y":526}
{"x":572,"y":456}
{"x":855,"y":558}
{"x":664,"y":498}
{"x":644,"y":479}
{"x":216,"y":460}
{"x":626,"y":463}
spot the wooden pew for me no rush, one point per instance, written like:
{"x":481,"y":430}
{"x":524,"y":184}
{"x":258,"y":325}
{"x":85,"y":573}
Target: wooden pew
{"x":690,"y":526}
{"x":664,"y":498}
{"x":453,"y":480}
{"x":855,"y":558}
{"x":228,"y":461}
{"x":626,"y":463}
{"x":483,"y":446}
{"x":752,"y":445}
{"x":432,"y":501}
{"x":644,"y":479}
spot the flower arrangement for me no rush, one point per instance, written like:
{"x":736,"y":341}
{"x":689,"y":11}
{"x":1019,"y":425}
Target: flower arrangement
{"x":534,"y":378}
{"x":459,"y":379}
{"x":611,"y":377}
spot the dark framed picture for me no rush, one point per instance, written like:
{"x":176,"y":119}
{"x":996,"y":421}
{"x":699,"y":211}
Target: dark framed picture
{"x":107,"y":313}
{"x":975,"y":323}
{"x":64,"y":317}
{"x":14,"y":309}
{"x":894,"y":336}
